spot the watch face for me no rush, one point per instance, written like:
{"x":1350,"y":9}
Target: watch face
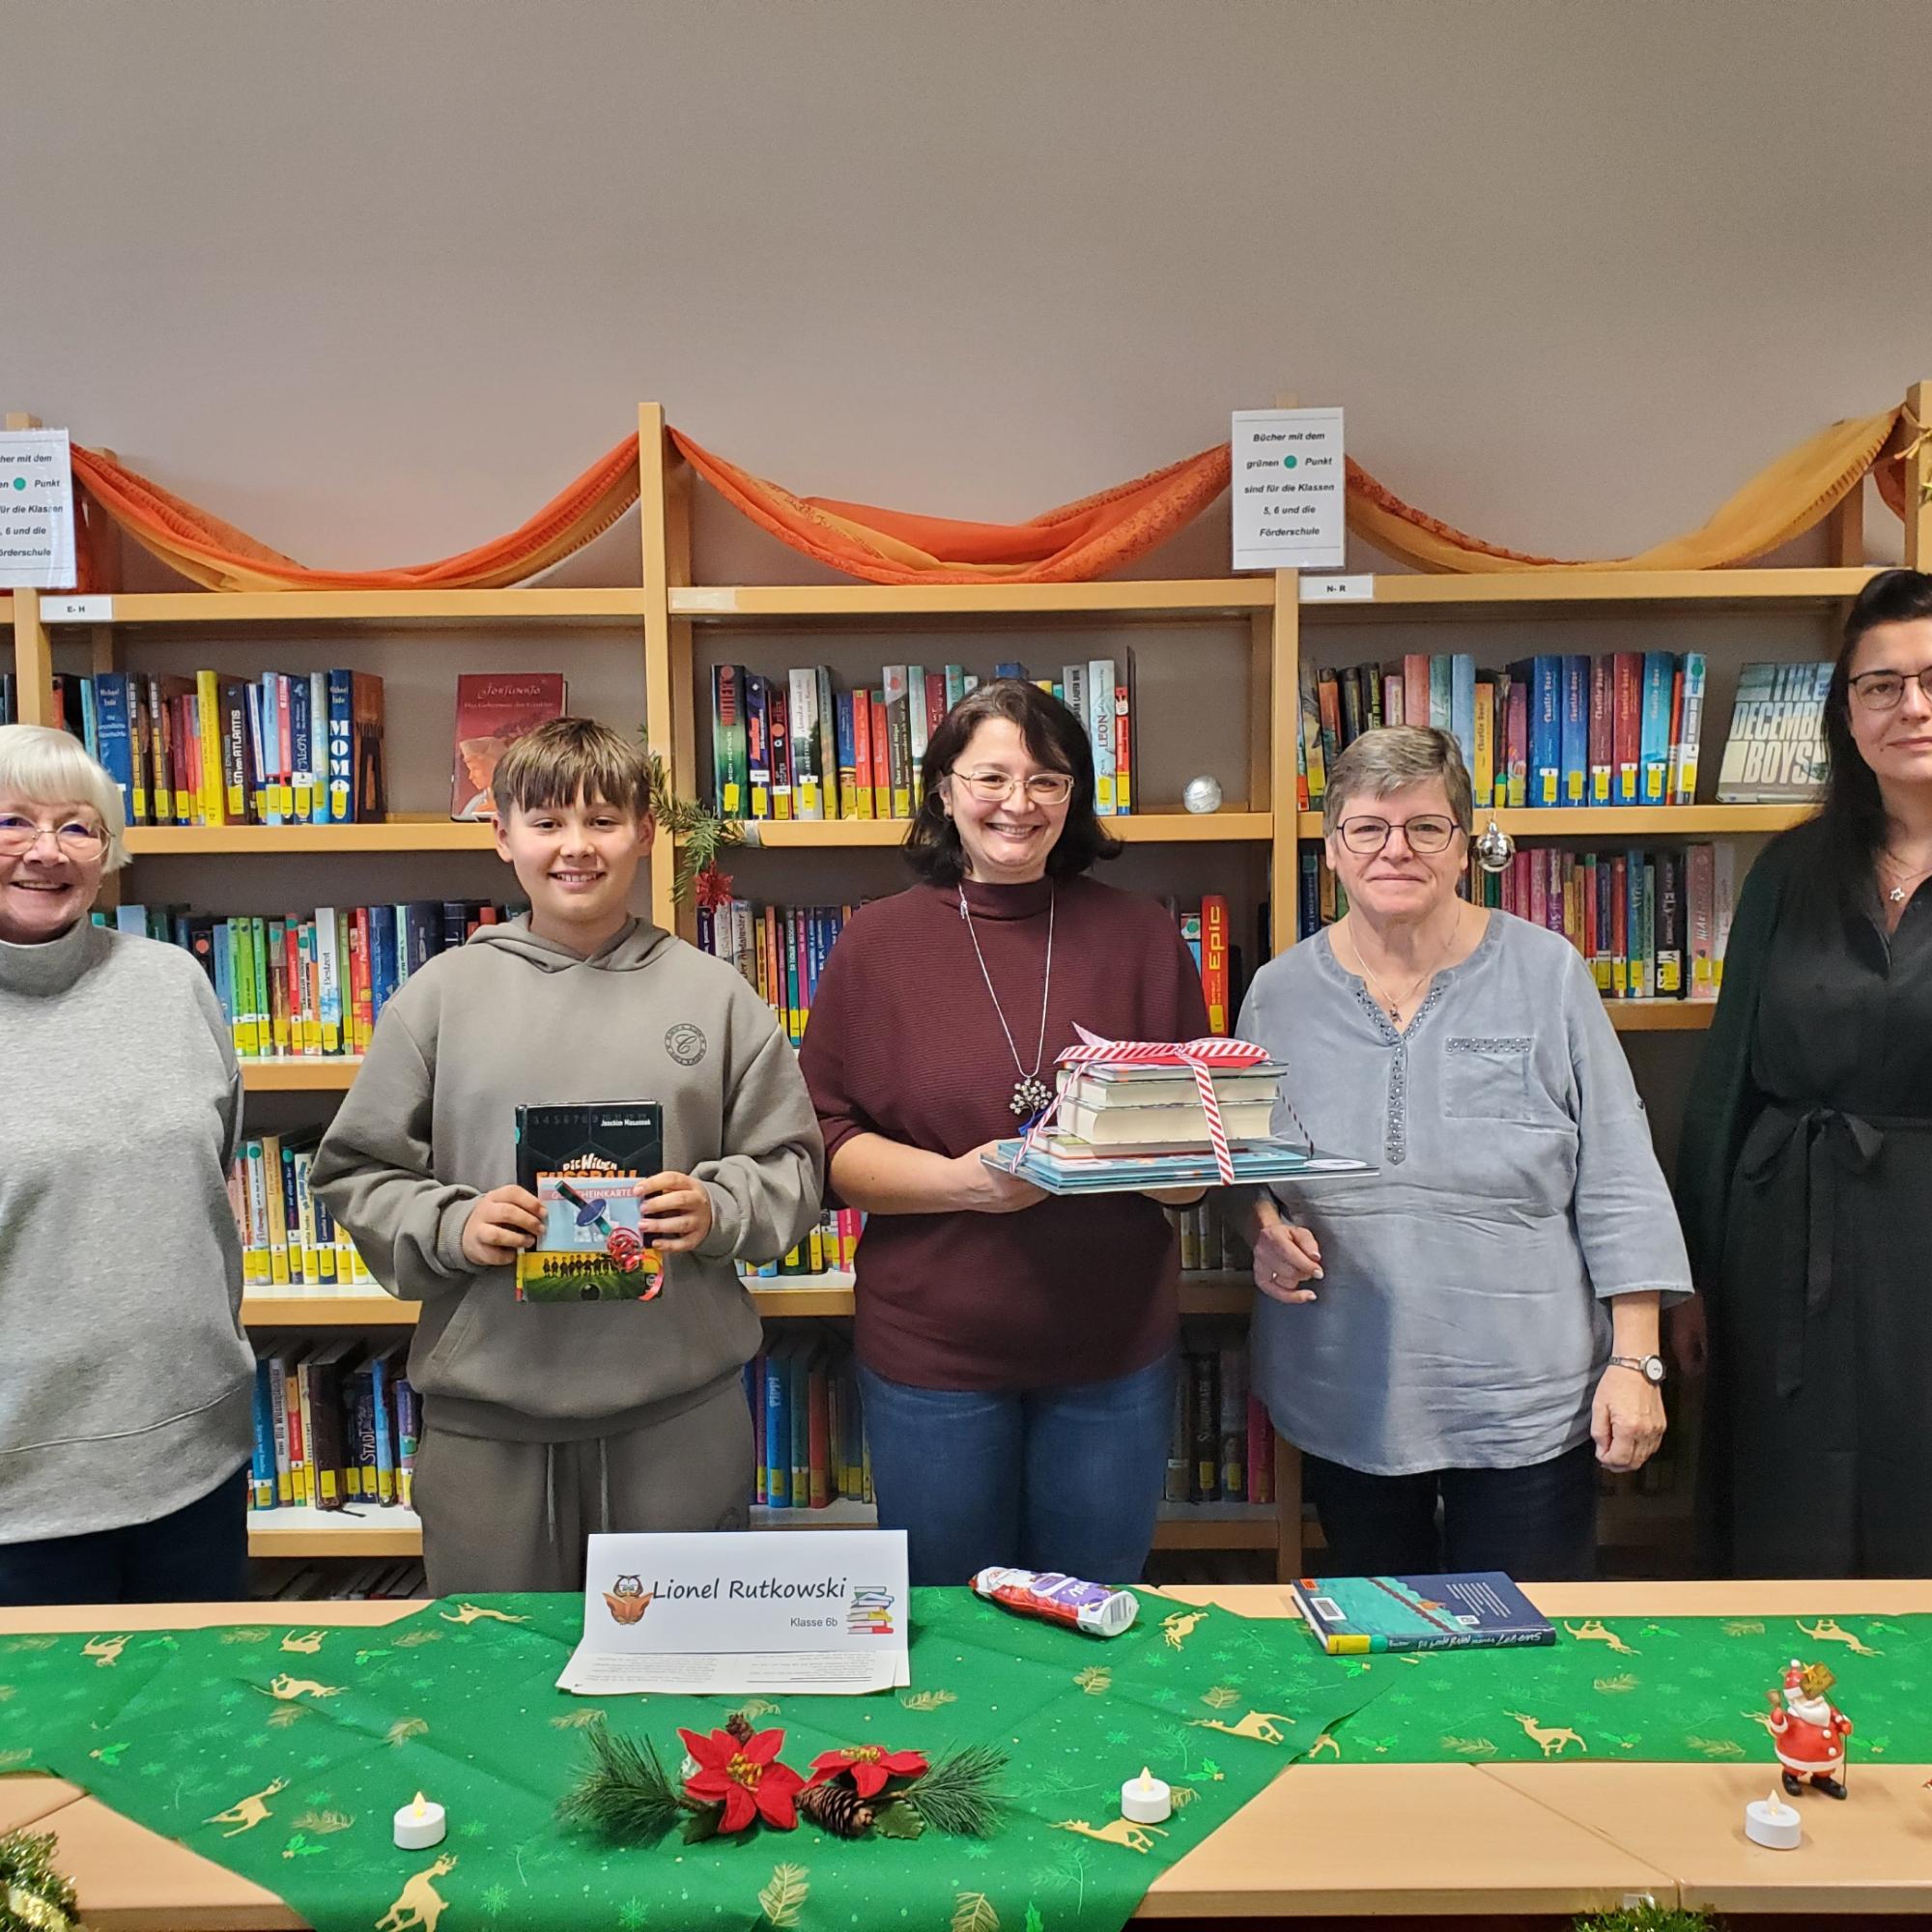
{"x":1652,"y":1368}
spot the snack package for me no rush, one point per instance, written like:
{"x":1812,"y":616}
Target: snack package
{"x":1091,"y":1607}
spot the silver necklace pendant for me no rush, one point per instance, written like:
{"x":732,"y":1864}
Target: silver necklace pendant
{"x":1031,"y":1095}
{"x":1896,"y":895}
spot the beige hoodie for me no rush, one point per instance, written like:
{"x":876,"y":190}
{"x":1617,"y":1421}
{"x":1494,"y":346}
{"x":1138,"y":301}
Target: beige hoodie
{"x":430,"y":1124}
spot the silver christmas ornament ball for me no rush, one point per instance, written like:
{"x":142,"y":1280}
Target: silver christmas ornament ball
{"x":1494,"y":849}
{"x":1201,"y":794}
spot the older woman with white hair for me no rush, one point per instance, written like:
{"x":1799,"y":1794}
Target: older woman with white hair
{"x":1456,"y":1342}
{"x":127,"y":1387}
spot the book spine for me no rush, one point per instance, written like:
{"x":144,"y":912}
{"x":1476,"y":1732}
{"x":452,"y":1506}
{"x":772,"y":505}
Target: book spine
{"x":916,"y":731}
{"x":1463,"y":706}
{"x":1483,"y":772}
{"x":1700,"y":919}
{"x":211,"y":778}
{"x":757,"y":746}
{"x":115,"y":737}
{"x":1214,"y":960}
{"x":802,"y":715}
{"x":1655,"y":742}
{"x":302,"y":749}
{"x":778,"y":1428}
{"x":1603,"y":731}
{"x":1518,"y":739}
{"x":1690,"y":731}
{"x":1205,"y":1483}
{"x":1575,"y":731}
{"x":1098,"y":719}
{"x":1723,"y":880}
{"x":863,"y":798}
{"x":831,"y":795}
{"x":727,"y":714}
{"x":341,"y":748}
{"x":899,"y":726}
{"x":848,"y":754}
{"x":1670,"y":927}
{"x":1123,"y":736}
{"x":777,"y":732}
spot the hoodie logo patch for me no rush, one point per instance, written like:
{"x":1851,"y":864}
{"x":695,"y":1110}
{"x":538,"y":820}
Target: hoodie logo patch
{"x":686,"y":1044}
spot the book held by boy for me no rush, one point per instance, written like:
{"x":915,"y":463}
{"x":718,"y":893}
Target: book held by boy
{"x":587,"y":1165}
{"x":1457,"y":1611}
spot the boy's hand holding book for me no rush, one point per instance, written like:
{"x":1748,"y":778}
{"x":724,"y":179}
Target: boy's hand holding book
{"x":502,"y":1223}
{"x":675,"y":1212}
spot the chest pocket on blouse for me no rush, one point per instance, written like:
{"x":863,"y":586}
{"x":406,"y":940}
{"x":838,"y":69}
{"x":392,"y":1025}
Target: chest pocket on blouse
{"x":1487,"y":1079}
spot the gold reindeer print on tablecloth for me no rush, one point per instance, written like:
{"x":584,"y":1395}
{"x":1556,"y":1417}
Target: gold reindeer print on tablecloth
{"x":1829,"y":1630}
{"x":1116,"y":1832}
{"x":1262,"y":1726}
{"x":106,"y":1650}
{"x":284,"y":1689}
{"x":1549,"y":1742}
{"x":1594,"y":1630}
{"x":418,"y":1904}
{"x":245,"y":1813}
{"x":306,"y":1643}
{"x":1181,"y":1626}
{"x":469,"y":1613}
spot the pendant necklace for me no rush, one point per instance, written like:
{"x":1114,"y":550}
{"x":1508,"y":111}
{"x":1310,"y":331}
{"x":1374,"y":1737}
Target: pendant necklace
{"x":1031,"y":1093}
{"x":1374,"y":985}
{"x":1899,"y":893}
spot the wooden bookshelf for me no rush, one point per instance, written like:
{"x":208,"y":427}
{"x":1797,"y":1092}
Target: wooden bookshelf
{"x":357,"y":1530}
{"x":298,"y":842}
{"x":1662,"y":1015}
{"x":1148,"y":828}
{"x":1529,"y":593}
{"x":318,"y":1308}
{"x":339,"y":610}
{"x":323,"y":1073}
{"x":905,"y":605}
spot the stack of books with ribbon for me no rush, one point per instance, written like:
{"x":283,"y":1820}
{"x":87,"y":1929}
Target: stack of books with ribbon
{"x":1135,"y":1114}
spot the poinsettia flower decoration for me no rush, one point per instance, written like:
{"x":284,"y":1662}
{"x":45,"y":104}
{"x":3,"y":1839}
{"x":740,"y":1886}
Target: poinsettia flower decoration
{"x":746,"y":1777}
{"x":869,"y":1767}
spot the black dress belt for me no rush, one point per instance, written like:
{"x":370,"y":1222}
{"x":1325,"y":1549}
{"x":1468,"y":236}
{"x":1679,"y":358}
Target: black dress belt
{"x":1834,"y":1143}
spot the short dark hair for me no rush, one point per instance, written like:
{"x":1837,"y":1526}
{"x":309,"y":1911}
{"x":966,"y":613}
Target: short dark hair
{"x":571,"y":759}
{"x":1834,"y":850}
{"x":1052,"y":735}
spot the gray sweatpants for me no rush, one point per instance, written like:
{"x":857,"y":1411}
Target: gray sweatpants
{"x":514,"y":1516}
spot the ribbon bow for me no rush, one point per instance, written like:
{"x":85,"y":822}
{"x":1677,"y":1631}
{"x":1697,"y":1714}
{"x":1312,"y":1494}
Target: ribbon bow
{"x":1200,"y":1055}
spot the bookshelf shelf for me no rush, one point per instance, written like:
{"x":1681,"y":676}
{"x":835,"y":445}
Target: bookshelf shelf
{"x":1195,"y":597}
{"x":307,"y":1531}
{"x":1532,"y":594}
{"x":1148,"y":828}
{"x":1661,"y":1015}
{"x":304,"y":1309}
{"x":315,"y":1074}
{"x":340,"y":608}
{"x":1618,"y":822}
{"x":390,"y":835}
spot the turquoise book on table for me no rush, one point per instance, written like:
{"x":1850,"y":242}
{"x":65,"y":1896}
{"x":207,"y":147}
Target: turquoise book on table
{"x":1351,"y":1615}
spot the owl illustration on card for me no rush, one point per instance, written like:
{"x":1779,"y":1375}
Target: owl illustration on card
{"x":627,"y":1600}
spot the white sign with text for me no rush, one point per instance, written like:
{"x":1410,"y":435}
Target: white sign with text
{"x":36,"y":509}
{"x":1288,"y":479}
{"x":820,"y":1611}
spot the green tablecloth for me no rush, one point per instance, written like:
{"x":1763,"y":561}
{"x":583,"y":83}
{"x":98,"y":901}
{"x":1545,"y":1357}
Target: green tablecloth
{"x":283,"y":1755}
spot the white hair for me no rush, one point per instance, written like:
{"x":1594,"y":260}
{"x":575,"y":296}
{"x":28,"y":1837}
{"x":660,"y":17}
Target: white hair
{"x":54,"y":768}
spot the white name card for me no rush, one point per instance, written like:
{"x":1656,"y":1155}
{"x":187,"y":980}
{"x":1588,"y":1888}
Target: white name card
{"x":36,"y":509}
{"x":820,"y":1611}
{"x":1288,"y":479}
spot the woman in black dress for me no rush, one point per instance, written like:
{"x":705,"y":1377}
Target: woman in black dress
{"x":1806,"y":1177}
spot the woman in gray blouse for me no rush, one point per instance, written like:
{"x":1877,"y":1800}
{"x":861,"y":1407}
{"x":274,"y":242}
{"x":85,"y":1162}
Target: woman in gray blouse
{"x":1476,"y":1325}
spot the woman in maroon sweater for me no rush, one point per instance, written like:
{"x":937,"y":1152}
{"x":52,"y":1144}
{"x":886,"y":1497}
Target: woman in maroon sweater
{"x":1016,"y":1352}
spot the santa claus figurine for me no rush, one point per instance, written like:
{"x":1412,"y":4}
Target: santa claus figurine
{"x":1808,"y":1731}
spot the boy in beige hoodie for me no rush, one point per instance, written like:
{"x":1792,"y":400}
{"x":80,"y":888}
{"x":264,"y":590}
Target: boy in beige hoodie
{"x":543,"y":1422}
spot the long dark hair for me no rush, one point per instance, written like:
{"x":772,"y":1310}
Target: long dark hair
{"x":1850,"y":828}
{"x":1052,"y":735}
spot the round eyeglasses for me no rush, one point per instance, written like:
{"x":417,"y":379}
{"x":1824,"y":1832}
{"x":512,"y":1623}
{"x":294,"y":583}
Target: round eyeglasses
{"x":1427,"y":833}
{"x":77,"y":838}
{"x":996,"y":788}
{"x":1882,"y":689}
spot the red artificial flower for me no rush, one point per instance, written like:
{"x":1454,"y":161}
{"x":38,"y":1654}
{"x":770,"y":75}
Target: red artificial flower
{"x":870,"y":1765}
{"x":712,"y":887}
{"x":746,"y":1776}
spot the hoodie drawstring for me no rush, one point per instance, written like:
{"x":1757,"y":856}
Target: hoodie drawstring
{"x":549,"y":1493}
{"x":603,"y":1488}
{"x":603,"y":1485}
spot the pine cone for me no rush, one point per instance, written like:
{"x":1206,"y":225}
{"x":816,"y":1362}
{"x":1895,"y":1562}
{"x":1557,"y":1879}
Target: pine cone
{"x":739,"y":1725}
{"x":837,"y":1808}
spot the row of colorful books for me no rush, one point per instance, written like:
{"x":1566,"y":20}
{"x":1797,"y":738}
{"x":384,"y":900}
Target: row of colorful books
{"x":799,"y":748}
{"x":830,"y":1248}
{"x":780,"y":951}
{"x":1221,"y":1448}
{"x":1210,"y":1235}
{"x":809,"y":1436}
{"x":336,"y":1423}
{"x":302,"y":748}
{"x":309,"y":987}
{"x":289,"y":1237}
{"x":1652,"y":924}
{"x":1549,"y":730}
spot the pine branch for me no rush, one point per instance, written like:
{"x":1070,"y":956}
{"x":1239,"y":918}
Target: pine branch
{"x":698,"y":832}
{"x":624,"y":1791}
{"x":962,"y":1792}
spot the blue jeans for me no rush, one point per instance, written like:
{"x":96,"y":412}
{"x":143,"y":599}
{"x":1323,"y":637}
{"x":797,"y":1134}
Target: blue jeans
{"x":195,"y":1554}
{"x":1064,"y":1479}
{"x":1537,"y":1524}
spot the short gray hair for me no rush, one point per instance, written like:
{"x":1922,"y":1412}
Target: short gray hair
{"x":54,"y":768}
{"x":1392,"y":756}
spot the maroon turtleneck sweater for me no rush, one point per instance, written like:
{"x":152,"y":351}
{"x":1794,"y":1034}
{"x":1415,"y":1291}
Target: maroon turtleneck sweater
{"x":904,"y":1041}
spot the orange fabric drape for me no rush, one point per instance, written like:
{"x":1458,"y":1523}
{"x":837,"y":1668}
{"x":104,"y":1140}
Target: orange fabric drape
{"x":1070,"y":545}
{"x":215,"y":553}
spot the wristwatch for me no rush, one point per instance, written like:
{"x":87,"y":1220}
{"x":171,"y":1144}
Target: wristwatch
{"x":1649,"y":1366}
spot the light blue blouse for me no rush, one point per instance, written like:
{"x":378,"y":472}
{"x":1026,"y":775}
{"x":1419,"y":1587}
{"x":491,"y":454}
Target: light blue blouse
{"x":1460,"y":1320}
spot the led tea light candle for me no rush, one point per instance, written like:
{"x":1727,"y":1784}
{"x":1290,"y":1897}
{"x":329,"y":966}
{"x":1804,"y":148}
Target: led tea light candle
{"x":1145,"y":1800}
{"x":1773,"y":1824}
{"x":421,"y":1825}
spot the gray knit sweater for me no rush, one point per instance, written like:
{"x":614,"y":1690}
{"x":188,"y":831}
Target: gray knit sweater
{"x":126,"y":1383}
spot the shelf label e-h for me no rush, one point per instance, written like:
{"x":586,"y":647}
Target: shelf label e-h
{"x":36,"y":509}
{"x":1288,"y":476}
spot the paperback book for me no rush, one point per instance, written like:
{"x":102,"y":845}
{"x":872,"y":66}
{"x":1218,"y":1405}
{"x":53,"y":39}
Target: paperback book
{"x":587,"y":1165}
{"x":1459,"y":1611}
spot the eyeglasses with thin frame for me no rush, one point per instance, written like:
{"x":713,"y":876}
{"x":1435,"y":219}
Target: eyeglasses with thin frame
{"x":1427,"y":834}
{"x":77,"y":836}
{"x":1882,"y":689}
{"x":996,"y":788}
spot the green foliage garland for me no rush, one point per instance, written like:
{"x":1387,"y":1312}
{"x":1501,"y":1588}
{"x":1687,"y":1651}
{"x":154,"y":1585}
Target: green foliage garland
{"x":33,"y":1897}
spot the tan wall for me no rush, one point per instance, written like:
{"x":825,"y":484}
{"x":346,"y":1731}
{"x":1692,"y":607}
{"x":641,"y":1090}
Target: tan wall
{"x":373,"y":278}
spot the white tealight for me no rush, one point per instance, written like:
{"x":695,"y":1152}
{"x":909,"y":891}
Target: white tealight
{"x":421,"y":1825}
{"x":1145,"y":1800}
{"x":1773,"y":1824}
